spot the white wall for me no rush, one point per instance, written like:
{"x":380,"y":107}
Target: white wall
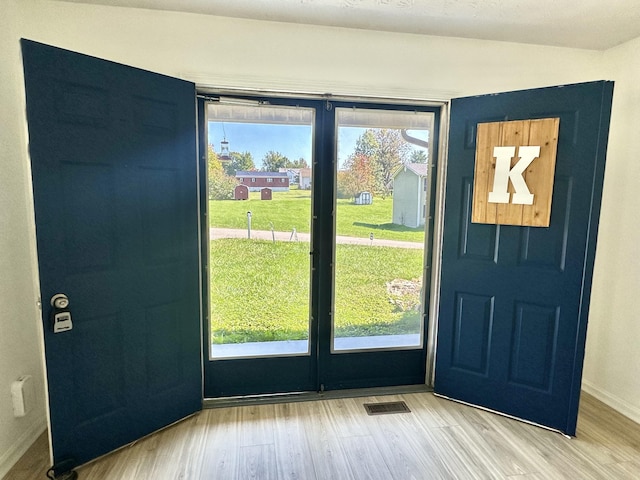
{"x":612,"y":361}
{"x":19,"y":334}
{"x":252,"y":54}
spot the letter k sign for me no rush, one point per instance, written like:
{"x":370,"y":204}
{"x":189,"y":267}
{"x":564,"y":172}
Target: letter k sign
{"x":504,"y":152}
{"x":504,"y":173}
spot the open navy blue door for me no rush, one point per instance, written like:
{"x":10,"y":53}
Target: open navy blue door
{"x":113,"y":152}
{"x":514,"y":300}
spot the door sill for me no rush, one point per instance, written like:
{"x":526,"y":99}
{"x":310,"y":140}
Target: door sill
{"x":311,"y":396}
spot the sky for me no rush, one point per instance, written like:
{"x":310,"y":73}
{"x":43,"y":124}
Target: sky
{"x":293,"y":141}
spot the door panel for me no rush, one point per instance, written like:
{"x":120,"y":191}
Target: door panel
{"x":368,"y":335}
{"x":113,"y":152}
{"x":381,"y":208}
{"x":261,"y":335}
{"x":514,"y":300}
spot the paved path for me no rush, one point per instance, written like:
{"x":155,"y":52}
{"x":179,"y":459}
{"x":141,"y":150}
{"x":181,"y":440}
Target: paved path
{"x":216,"y":233}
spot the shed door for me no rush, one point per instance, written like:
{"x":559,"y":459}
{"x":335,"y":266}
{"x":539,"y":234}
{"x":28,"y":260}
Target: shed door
{"x":515,"y":300}
{"x":113,"y":154}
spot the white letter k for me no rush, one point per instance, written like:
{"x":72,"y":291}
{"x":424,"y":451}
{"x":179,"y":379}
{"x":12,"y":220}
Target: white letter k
{"x":504,"y":173}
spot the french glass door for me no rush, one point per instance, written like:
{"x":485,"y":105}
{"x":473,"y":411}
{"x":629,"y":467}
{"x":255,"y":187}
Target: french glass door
{"x":316,"y":245}
{"x":383,"y":204}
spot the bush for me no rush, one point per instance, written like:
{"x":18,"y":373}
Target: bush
{"x":221,"y":187}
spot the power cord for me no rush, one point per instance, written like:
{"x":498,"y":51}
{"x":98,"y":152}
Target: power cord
{"x":69,"y":475}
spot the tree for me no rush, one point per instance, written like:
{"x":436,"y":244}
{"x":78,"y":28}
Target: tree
{"x":357,"y":176}
{"x":214,"y":166}
{"x":272,"y":161}
{"x":418,"y":156}
{"x":300,"y":163}
{"x":387,"y":150}
{"x":367,"y":144}
{"x":239,"y":162}
{"x":220,"y":185}
{"x":392,"y":152}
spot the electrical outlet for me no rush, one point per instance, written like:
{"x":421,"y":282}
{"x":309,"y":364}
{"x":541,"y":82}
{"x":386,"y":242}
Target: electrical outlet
{"x":22,"y":393}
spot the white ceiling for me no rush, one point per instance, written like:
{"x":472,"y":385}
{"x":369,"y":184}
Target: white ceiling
{"x":590,"y":24}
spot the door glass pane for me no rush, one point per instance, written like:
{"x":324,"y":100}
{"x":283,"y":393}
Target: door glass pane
{"x":259,"y":181}
{"x":382,"y":203}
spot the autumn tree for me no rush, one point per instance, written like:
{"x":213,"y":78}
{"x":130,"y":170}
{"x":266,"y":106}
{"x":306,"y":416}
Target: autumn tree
{"x":386,"y":150}
{"x":357,"y":176}
{"x":214,"y":166}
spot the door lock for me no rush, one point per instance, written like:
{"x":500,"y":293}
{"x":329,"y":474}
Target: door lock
{"x":60,"y":314}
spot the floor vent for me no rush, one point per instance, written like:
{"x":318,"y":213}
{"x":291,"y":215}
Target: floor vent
{"x":386,"y":407}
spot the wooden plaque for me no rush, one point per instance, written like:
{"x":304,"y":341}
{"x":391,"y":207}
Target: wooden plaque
{"x":525,"y":197}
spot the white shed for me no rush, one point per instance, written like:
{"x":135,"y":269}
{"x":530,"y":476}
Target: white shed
{"x":363,"y":198}
{"x":410,"y":195}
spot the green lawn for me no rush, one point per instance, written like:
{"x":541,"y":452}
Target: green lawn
{"x":260,"y":290}
{"x":292,"y":209}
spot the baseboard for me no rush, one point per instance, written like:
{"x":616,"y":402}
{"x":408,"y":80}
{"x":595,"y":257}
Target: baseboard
{"x":9,"y":458}
{"x":618,"y":404}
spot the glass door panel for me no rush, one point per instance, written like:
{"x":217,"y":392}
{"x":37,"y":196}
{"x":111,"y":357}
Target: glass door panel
{"x":259,"y":188}
{"x":315,"y":282}
{"x":383,"y":189}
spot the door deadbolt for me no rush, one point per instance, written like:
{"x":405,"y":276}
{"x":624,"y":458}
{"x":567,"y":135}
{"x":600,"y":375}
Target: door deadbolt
{"x":60,"y":300}
{"x":60,"y":314}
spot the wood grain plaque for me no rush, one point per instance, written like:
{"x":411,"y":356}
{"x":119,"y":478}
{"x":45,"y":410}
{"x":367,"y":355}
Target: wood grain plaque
{"x":538,"y":175}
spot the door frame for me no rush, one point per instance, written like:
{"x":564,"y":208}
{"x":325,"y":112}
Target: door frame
{"x":438,"y":238}
{"x":207,"y":93}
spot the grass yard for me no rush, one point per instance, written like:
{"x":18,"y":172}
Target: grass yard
{"x":363,"y":304}
{"x":260,"y":290}
{"x":287,"y":210}
{"x":293,"y":209}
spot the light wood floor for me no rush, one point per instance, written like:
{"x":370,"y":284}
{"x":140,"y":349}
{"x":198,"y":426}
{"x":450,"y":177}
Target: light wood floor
{"x":335,"y":439}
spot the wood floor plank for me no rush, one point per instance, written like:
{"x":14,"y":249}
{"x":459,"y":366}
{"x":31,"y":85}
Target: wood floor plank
{"x":130,"y":465}
{"x":220,"y":455}
{"x":492,"y":449}
{"x":257,"y":425}
{"x":293,"y":453}
{"x":528,"y":476}
{"x":336,"y":439}
{"x":440,"y":412}
{"x":458,"y":452}
{"x":624,"y":470}
{"x":365,"y":459}
{"x":36,"y":459}
{"x":327,"y":455}
{"x":613,"y":436}
{"x":559,"y":457}
{"x":347,"y":416}
{"x":257,"y":462}
{"x":409,"y":451}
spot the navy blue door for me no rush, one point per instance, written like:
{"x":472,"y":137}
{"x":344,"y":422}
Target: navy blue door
{"x":514,"y":300}
{"x":113,"y":153}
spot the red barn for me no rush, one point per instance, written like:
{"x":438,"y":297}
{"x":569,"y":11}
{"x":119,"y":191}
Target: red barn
{"x":256,"y":181}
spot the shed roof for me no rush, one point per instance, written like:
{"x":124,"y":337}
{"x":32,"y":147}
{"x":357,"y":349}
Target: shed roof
{"x":419,"y":169}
